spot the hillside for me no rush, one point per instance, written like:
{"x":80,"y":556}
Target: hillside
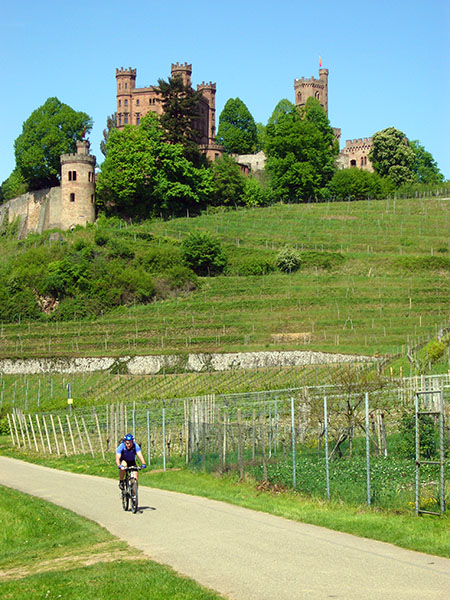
{"x":374,"y":278}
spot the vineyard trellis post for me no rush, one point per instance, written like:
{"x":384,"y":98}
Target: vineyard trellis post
{"x":71,"y":434}
{"x":164,"y":437}
{"x":62,"y":435}
{"x":366,"y":405}
{"x":40,"y":433}
{"x":11,"y":430}
{"x":149,"y":450}
{"x":54,"y":434}
{"x":99,"y":436}
{"x":327,"y":462}
{"x":294,"y":474}
{"x":47,"y":435}
{"x":79,"y":434}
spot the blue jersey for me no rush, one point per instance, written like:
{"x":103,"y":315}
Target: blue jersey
{"x":129,"y":456}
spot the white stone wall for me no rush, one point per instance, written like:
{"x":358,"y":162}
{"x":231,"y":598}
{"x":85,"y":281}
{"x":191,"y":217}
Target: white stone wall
{"x":151,"y":365}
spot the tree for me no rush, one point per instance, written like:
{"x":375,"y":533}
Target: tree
{"x":203,"y":254}
{"x":425,"y":168}
{"x":237,"y":128}
{"x":260,"y":136}
{"x":228,"y":182}
{"x":301,"y":152}
{"x":50,"y":130}
{"x":144,"y":175}
{"x":111,"y":123}
{"x":180,"y":117}
{"x":283,"y":107}
{"x":14,"y":186}
{"x":392,"y":157}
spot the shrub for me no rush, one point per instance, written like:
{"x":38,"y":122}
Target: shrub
{"x":203,"y":254}
{"x":101,"y":238}
{"x":435,"y":350}
{"x":253,"y":265}
{"x":254,"y":193}
{"x":288,"y":260}
{"x":161,"y":258}
{"x":322,"y":260}
{"x":427,"y":430}
{"x":355,"y":184}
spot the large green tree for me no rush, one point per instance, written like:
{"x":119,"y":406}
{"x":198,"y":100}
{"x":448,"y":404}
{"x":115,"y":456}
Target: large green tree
{"x":50,"y":130}
{"x":301,"y":151}
{"x":144,"y":175}
{"x":181,"y":116}
{"x":14,"y":186}
{"x":228,"y":182}
{"x":392,"y":157}
{"x":425,"y":167}
{"x":237,"y":128}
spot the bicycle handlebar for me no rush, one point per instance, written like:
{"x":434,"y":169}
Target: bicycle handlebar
{"x":130,"y":468}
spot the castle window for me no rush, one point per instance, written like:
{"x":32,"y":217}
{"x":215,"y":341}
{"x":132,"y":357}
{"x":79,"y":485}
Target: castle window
{"x":299,"y":97}
{"x":138,"y":119}
{"x":72,"y":197}
{"x":125,"y":120}
{"x":120,"y":102}
{"x":353,"y":163}
{"x":137,"y":102}
{"x":72,"y":175}
{"x":317,"y":95}
{"x":126,"y":103}
{"x":362,"y":160}
{"x":126,"y":85}
{"x":92,"y":198}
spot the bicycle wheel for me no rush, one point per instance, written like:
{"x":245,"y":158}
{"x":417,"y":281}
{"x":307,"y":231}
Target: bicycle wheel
{"x":125,"y":498}
{"x":134,"y":496}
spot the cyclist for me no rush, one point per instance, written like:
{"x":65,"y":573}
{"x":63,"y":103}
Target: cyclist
{"x":126,"y":457}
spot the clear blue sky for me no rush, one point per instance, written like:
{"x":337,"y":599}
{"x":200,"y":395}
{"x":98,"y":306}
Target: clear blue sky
{"x":388,"y":60}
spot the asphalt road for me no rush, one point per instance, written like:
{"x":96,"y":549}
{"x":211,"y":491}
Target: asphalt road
{"x":243,"y":554}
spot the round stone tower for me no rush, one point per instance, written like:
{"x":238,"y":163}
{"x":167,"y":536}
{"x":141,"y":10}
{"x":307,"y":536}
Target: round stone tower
{"x":77,"y":187}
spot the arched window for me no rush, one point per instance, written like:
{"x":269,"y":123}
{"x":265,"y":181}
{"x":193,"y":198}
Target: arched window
{"x":299,"y":97}
{"x":353,"y":163}
{"x":317,"y":95}
{"x":126,"y":102}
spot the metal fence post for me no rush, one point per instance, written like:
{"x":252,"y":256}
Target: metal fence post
{"x":294,"y":475}
{"x":148,"y":439}
{"x":164,"y":437}
{"x":327,"y":465}
{"x":366,"y":399}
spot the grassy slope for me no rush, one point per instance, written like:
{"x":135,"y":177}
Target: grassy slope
{"x":375,"y":301}
{"x":44,"y":547}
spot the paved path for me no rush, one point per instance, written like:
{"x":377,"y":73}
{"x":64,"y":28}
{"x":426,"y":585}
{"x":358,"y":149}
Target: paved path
{"x":243,"y":554}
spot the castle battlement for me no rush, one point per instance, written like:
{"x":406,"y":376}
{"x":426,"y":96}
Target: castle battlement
{"x":358,"y":142}
{"x":203,"y":86}
{"x":309,"y":80}
{"x":178,"y":65}
{"x":128,"y":71}
{"x":78,"y":158}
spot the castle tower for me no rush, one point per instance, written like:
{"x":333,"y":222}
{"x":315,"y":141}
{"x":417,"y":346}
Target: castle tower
{"x":126,"y":83}
{"x":312,"y":88}
{"x":208,"y":91}
{"x":77,"y":187}
{"x":184,"y":71}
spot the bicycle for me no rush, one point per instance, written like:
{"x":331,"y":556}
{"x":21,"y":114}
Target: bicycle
{"x":130,"y":490}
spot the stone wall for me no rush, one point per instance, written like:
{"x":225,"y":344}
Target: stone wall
{"x":151,"y":365}
{"x":37,"y":211}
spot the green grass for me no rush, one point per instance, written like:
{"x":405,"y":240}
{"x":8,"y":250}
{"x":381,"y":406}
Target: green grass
{"x":390,"y":290}
{"x":399,"y":527}
{"x":44,"y":545}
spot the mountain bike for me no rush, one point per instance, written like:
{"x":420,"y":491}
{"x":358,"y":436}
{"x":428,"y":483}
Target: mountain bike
{"x":130,"y":490}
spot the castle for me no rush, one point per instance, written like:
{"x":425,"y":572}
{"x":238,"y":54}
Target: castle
{"x":134,"y":103}
{"x":65,"y":206}
{"x":73,"y":202}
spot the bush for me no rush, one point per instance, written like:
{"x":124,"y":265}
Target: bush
{"x":322,"y":260}
{"x":254,"y":193}
{"x":427,"y":431}
{"x":161,"y":258}
{"x":435,"y":350}
{"x":203,"y":254}
{"x":355,"y":184}
{"x":288,"y":260}
{"x":251,"y":265}
{"x":101,"y":238}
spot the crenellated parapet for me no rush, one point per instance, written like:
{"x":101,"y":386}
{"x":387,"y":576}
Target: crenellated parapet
{"x":206,"y":86}
{"x":126,"y":72}
{"x":358,"y":142}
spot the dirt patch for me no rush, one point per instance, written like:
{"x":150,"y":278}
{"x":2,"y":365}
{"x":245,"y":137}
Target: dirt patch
{"x":69,"y":561}
{"x":304,"y":336}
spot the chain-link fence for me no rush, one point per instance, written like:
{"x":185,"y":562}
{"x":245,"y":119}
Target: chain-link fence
{"x":349,"y":444}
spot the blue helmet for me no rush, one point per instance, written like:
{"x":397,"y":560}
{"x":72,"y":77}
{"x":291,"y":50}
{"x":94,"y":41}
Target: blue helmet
{"x":128,"y":437}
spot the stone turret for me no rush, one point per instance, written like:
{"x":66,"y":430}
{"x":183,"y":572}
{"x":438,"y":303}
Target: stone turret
{"x":77,"y":187}
{"x":312,"y":88}
{"x":182,"y":70}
